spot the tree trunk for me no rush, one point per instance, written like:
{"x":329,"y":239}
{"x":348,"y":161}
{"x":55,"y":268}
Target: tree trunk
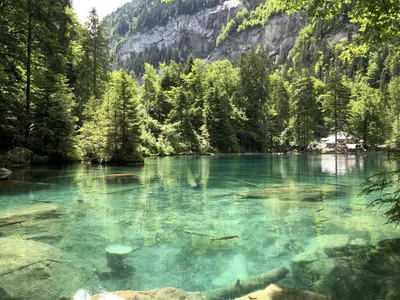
{"x":95,"y":66}
{"x":251,"y":284}
{"x":28,"y":70}
{"x":336,"y":123}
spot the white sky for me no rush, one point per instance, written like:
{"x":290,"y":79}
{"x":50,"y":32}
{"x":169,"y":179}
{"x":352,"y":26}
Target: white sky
{"x":103,"y":7}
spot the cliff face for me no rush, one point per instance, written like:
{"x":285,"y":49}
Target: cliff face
{"x":279,"y":36}
{"x":198,"y":33}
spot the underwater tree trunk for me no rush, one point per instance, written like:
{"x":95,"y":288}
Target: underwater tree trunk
{"x":251,"y":284}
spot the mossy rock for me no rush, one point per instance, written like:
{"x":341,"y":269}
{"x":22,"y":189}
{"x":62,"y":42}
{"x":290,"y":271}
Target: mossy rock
{"x":19,"y":156}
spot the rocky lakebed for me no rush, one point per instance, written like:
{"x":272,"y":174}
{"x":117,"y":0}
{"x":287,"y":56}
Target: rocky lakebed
{"x":328,"y":266}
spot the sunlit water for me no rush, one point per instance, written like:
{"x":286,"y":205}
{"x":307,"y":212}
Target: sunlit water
{"x":171,"y":211}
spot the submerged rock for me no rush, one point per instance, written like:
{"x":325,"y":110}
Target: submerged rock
{"x":33,"y":270}
{"x":353,"y":270}
{"x":159,"y":294}
{"x":321,"y":247}
{"x":274,"y":292}
{"x":27,"y":213}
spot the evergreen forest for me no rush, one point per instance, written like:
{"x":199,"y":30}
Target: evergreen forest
{"x":63,"y":97}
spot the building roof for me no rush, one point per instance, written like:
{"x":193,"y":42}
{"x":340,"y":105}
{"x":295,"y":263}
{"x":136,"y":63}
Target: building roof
{"x":340,"y":137}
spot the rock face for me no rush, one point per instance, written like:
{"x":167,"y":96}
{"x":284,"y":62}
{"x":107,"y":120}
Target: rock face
{"x":278,"y":36}
{"x":161,"y":294}
{"x":201,"y":30}
{"x":31,"y":270}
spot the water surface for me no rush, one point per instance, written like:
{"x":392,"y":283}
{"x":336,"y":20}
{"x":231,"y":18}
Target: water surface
{"x":173,"y":209}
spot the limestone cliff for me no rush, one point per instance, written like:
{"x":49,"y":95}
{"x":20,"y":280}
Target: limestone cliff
{"x":200,"y":31}
{"x":176,"y":33}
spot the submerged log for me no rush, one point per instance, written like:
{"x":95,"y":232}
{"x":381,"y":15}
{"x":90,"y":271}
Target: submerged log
{"x":26,"y":213}
{"x":251,"y":284}
{"x":115,"y":176}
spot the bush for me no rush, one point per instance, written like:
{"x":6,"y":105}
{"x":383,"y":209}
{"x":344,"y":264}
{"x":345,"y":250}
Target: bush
{"x":40,"y":159}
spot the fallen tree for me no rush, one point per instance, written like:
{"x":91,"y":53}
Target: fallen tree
{"x":250,"y":284}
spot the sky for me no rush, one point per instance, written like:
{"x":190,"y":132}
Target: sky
{"x":103,"y":7}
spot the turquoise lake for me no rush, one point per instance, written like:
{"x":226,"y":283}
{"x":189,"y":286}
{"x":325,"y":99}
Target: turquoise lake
{"x":196,"y":223}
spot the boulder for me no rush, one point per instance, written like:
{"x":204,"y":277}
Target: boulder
{"x":274,"y":292}
{"x":159,"y":294}
{"x":19,"y":157}
{"x":26,"y":213}
{"x":4,"y":173}
{"x":33,"y":270}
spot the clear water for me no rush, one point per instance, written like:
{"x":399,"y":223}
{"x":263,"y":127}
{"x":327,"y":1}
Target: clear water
{"x":174,"y":207}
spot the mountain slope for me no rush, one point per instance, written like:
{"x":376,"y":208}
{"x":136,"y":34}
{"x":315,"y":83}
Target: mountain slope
{"x":150,"y":31}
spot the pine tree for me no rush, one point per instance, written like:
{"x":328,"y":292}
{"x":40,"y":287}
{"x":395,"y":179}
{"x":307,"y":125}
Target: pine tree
{"x":254,"y":68}
{"x":95,"y":46}
{"x":303,"y":109}
{"x":123,"y":132}
{"x":335,"y":102}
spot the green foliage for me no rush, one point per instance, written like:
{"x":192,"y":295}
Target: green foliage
{"x":335,"y":102}
{"x":92,"y":139}
{"x":259,"y":16}
{"x":40,"y":160}
{"x":394,"y":101}
{"x":280,"y":106}
{"x":254,"y":70}
{"x":232,"y":25}
{"x":385,"y":185}
{"x":368,"y":115}
{"x":377,"y":23}
{"x":56,"y":93}
{"x":53,"y":128}
{"x":220,"y":113}
{"x":111,"y":132}
{"x":95,"y":46}
{"x":304,"y":109}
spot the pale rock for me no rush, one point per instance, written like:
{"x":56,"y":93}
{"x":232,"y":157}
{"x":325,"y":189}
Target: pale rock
{"x":274,"y":292}
{"x":333,"y":241}
{"x":159,"y":294}
{"x":33,"y":270}
{"x":310,"y":256}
